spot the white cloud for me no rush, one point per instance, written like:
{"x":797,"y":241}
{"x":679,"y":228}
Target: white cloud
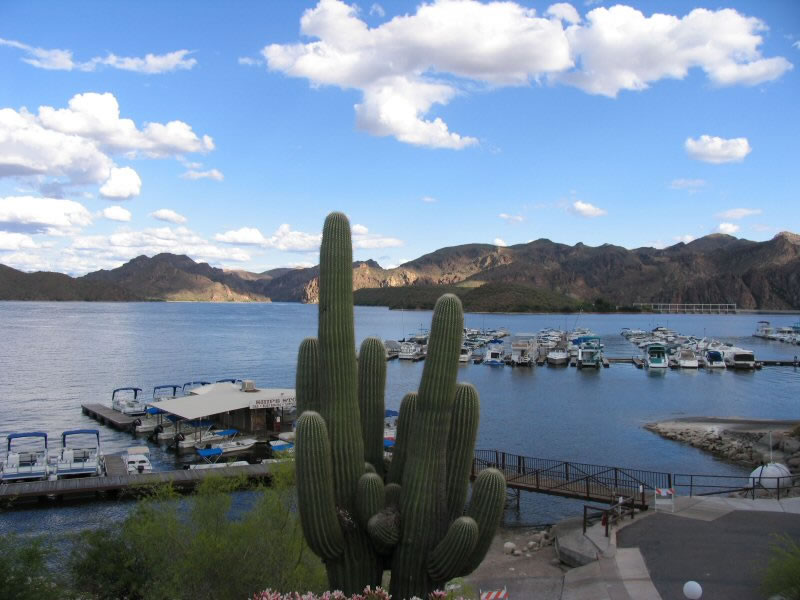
{"x":717,"y":150}
{"x":738,"y":213}
{"x":429,"y":199}
{"x":796,"y":45}
{"x":359,"y":229}
{"x":250,"y":62}
{"x":587,"y":210}
{"x":16,"y":241}
{"x":684,"y":238}
{"x":302,"y":264}
{"x":245,"y":235}
{"x":78,"y":142}
{"x":50,"y":215}
{"x":376,"y":10}
{"x":214,"y":174}
{"x":687,"y":184}
{"x":117,"y":213}
{"x":405,"y":66}
{"x":499,"y":242}
{"x":728,"y":228}
{"x":123,"y":183}
{"x":166,"y":214}
{"x":61,"y":60}
{"x":362,"y":238}
{"x":512,"y":219}
{"x":287,"y":239}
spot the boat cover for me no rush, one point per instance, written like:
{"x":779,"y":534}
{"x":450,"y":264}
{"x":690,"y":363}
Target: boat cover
{"x":93,"y":432}
{"x":388,"y":443}
{"x":226,"y":432}
{"x":207,"y":452}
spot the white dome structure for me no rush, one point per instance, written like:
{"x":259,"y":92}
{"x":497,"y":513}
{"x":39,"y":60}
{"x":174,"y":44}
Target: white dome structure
{"x":768,"y":476}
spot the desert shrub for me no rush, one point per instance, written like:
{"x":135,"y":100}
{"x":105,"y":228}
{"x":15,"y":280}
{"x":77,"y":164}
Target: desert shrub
{"x":23,"y":569}
{"x":782,"y":575}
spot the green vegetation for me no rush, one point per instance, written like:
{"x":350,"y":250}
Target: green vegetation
{"x":351,"y":516}
{"x":782,"y":575}
{"x":173,"y":547}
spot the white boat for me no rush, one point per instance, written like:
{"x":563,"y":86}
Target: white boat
{"x":714,"y":359}
{"x":226,"y":444}
{"x":78,"y":460}
{"x":590,"y":353}
{"x":219,"y":465}
{"x":137,"y":459}
{"x":153,"y":419}
{"x":739,"y":358}
{"x":656,"y":356}
{"x":557,"y":357}
{"x":464,"y":355}
{"x":764,"y":330}
{"x":523,"y":349}
{"x":127,"y":405}
{"x":411,"y":351}
{"x":687,"y":359}
{"x":26,"y":465}
{"x":494,"y":355}
{"x":392,"y":349}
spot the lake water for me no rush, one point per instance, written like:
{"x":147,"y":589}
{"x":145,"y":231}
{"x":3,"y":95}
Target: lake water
{"x":55,"y":356}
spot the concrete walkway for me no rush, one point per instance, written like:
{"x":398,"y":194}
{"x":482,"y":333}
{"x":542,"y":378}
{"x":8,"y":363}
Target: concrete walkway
{"x":720,"y":542}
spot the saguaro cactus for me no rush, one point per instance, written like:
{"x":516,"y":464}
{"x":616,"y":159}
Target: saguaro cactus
{"x":414,"y":522}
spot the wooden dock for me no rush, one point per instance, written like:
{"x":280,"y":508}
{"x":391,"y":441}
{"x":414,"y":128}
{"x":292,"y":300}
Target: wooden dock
{"x":108,"y":416}
{"x":111,"y":485}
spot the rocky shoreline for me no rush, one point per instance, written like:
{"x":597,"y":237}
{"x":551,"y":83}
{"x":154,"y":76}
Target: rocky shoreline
{"x":743,"y":441}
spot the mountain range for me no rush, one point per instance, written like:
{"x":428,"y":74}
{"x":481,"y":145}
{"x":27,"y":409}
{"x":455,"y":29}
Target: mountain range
{"x":539,"y":275}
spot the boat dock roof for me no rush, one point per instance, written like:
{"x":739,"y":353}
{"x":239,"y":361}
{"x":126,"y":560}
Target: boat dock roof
{"x":218,"y":398}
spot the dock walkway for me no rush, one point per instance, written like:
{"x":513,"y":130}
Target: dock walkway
{"x":109,"y":416}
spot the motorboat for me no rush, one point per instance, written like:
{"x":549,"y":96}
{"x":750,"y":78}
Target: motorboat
{"x":764,"y":330}
{"x":590,"y":352}
{"x":218,"y":465}
{"x":687,"y":359}
{"x":201,"y":432}
{"x":153,"y":416}
{"x":557,"y":357}
{"x":739,"y":358}
{"x":226,"y":443}
{"x":714,"y":359}
{"x":392,"y":349}
{"x":25,"y":465}
{"x":411,"y":351}
{"x":78,"y":460}
{"x":132,"y":406}
{"x":494,"y":356}
{"x":465,"y":354}
{"x":656,"y":356}
{"x":137,"y":459}
{"x":281,"y":446}
{"x":523,"y":349}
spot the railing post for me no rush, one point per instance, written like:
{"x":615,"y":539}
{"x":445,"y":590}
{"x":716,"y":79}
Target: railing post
{"x":584,"y":518}
{"x":504,"y":463}
{"x":691,"y":485}
{"x":520,"y":461}
{"x":496,"y":457}
{"x":587,"y":489}
{"x":669,"y":480}
{"x":566,"y":471}
{"x":616,"y":479}
{"x":472,"y":468}
{"x":537,"y":479}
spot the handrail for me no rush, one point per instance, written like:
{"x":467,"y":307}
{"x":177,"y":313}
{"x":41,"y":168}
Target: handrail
{"x":615,"y":512}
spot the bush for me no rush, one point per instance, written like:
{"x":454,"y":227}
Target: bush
{"x":23,"y":569}
{"x":782,"y":575}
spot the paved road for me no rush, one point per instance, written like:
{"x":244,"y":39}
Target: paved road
{"x":726,"y":556}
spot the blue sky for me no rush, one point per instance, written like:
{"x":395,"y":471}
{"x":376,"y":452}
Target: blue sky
{"x":227,"y":131}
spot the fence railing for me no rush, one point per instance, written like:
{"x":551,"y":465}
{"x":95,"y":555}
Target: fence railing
{"x":609,"y":514}
{"x":711,"y":485}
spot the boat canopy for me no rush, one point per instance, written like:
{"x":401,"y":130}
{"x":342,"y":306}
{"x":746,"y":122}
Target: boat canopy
{"x":135,"y":391}
{"x":586,"y":338}
{"x":190,"y":383}
{"x":16,"y":436}
{"x":66,"y":434}
{"x":207,"y":452}
{"x":167,"y":386}
{"x":226,"y":432}
{"x":229,"y":380}
{"x":152,"y":410}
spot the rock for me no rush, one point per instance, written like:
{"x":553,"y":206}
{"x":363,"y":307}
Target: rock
{"x":555,"y":562}
{"x":531,"y":545}
{"x":509,"y":547}
{"x":536,"y":538}
{"x":793,"y":462}
{"x":527,"y":555}
{"x":774,"y":443}
{"x":791,"y":445}
{"x":517,"y":553}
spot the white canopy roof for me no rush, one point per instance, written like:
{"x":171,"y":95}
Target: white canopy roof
{"x":216,"y":398}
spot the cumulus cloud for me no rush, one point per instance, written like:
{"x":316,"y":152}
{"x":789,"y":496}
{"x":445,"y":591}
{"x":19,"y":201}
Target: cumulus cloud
{"x":61,"y":60}
{"x":214,"y":174}
{"x":377,"y":10}
{"x":687,"y":184}
{"x":285,"y":238}
{"x":123,"y":183}
{"x":499,"y":242}
{"x":16,"y":241}
{"x":587,"y":210}
{"x":362,"y":238}
{"x":250,"y":62}
{"x":42,"y":215}
{"x":729,"y":228}
{"x":406,"y":66}
{"x":738,"y":213}
{"x":717,"y":150}
{"x":245,"y":235}
{"x":117,"y":213}
{"x":511,"y":218}
{"x":429,"y":199}
{"x":166,"y":214}
{"x":684,"y":238}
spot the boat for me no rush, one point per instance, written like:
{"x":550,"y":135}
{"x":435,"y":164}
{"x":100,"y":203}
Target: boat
{"x":687,"y":359}
{"x":218,"y":465}
{"x":411,"y":351}
{"x":494,"y":355}
{"x":392,"y":349}
{"x":714,"y":359}
{"x":226,"y":444}
{"x":590,"y":352}
{"x":764,"y":330}
{"x":739,"y":358}
{"x":79,"y":460}
{"x":557,"y":357}
{"x":655,"y":356}
{"x":26,"y":465}
{"x":153,"y":419}
{"x":465,"y":354}
{"x":137,"y":459}
{"x":523,"y":349}
{"x":123,"y":403}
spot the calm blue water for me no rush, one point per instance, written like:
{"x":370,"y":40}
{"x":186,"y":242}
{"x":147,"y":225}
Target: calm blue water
{"x":55,"y":356}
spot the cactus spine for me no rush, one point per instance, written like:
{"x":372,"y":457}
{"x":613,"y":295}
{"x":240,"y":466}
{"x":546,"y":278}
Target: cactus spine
{"x":414,"y":522}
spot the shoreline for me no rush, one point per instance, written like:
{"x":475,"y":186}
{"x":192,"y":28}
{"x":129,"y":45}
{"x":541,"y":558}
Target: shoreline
{"x":739,"y":440}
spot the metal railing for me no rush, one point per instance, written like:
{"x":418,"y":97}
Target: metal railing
{"x":711,"y":485}
{"x":611,"y":514}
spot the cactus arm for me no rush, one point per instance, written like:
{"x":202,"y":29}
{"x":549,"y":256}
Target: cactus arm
{"x":461,"y":447}
{"x":307,"y":378}
{"x":318,"y":515}
{"x":338,"y":375}
{"x":370,"y":497}
{"x":371,"y":386}
{"x":384,"y":530}
{"x":454,"y":550}
{"x":486,"y":508}
{"x":408,"y":408}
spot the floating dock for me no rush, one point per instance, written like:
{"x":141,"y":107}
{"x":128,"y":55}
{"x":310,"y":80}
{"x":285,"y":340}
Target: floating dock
{"x":108,"y":416}
{"x":115,"y":483}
